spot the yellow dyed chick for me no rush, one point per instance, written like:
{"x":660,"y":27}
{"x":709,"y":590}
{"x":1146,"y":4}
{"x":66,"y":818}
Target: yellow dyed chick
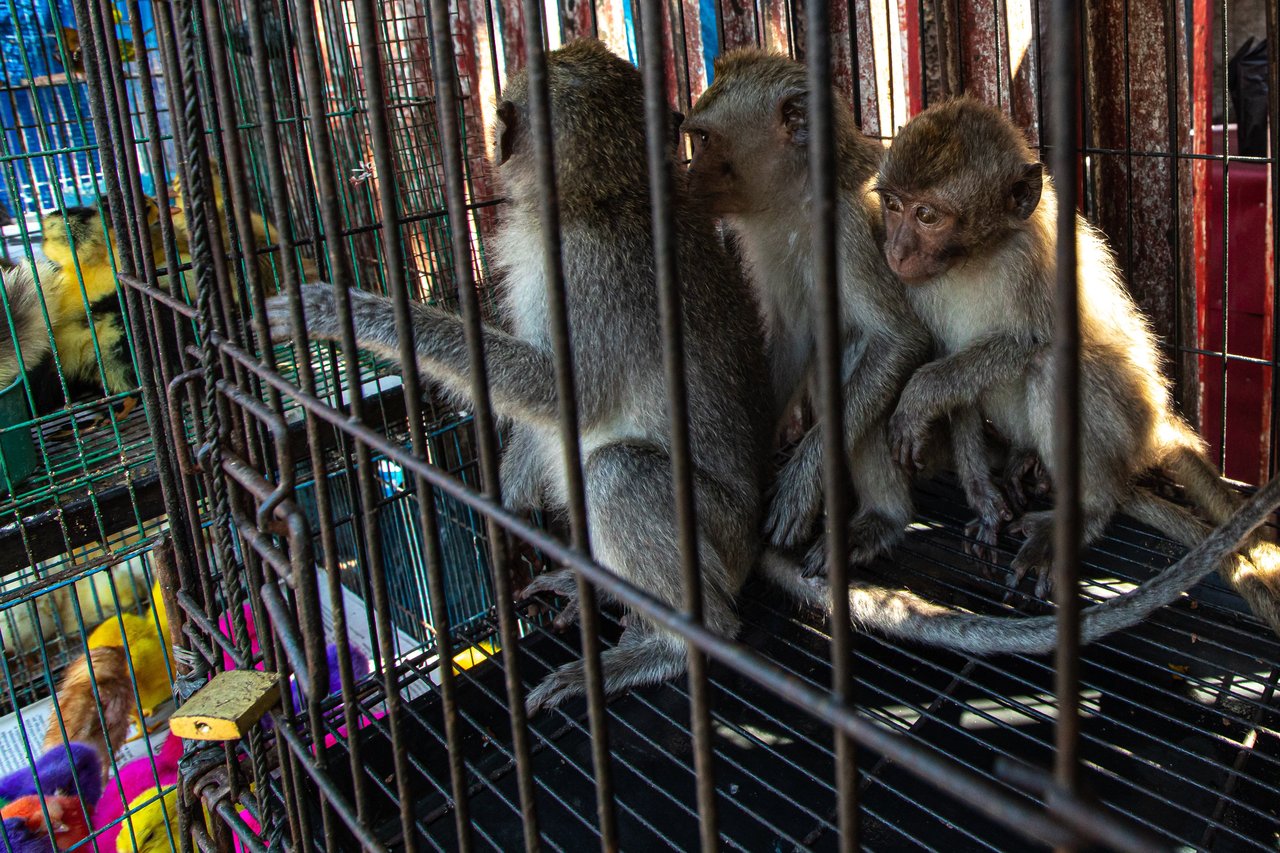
{"x":264,"y":233}
{"x":149,"y":823}
{"x":86,"y":312}
{"x":148,"y":649}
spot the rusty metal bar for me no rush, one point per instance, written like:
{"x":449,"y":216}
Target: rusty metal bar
{"x":665,"y":250}
{"x":1064,"y":93}
{"x":824,"y":216}
{"x":540,"y":127}
{"x":443,"y":70}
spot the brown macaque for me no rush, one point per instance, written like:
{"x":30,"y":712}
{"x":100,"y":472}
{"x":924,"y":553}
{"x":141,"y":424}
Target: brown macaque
{"x":969,"y":220}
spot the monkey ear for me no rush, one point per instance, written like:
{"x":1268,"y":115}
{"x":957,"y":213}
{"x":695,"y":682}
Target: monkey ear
{"x":510,"y":118}
{"x":1025,"y":194}
{"x":793,"y":112}
{"x":677,"y":120}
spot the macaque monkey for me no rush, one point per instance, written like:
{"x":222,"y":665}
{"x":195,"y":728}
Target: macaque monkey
{"x":969,"y":230}
{"x":598,"y":121}
{"x":749,"y":133}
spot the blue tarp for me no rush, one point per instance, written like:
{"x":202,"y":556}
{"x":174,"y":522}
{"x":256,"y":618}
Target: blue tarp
{"x":47,"y":154}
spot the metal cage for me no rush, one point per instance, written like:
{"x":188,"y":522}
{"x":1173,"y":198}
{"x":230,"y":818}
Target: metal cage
{"x":320,"y":501}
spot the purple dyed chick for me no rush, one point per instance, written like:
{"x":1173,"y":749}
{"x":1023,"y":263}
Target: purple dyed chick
{"x":57,"y":773}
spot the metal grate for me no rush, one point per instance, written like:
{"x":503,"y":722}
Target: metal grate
{"x":343,"y":502}
{"x":1179,"y":729}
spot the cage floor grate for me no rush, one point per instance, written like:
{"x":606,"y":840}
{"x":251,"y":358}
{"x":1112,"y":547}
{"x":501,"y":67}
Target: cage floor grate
{"x":1180,"y":728}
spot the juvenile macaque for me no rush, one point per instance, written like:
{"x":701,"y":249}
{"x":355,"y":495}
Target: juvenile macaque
{"x":598,"y":120}
{"x":750,"y":165}
{"x":969,"y":230}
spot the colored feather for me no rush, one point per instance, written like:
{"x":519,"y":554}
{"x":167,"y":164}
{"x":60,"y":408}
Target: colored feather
{"x":86,"y":700}
{"x":135,"y":778}
{"x":59,"y":770}
{"x":148,"y":828}
{"x":66,"y":816}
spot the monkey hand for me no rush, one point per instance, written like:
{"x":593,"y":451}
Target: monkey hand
{"x":319,"y":311}
{"x":797,"y":497}
{"x":908,"y":435}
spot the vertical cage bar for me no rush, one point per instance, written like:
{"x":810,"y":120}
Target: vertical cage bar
{"x":1273,"y":110}
{"x":447,"y":111}
{"x":1064,"y":91}
{"x":558,"y":319}
{"x":822,"y":186}
{"x":388,"y":196}
{"x":665,"y":249}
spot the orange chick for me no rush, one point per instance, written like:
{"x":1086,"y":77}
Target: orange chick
{"x":83,"y":714}
{"x":147,"y":649}
{"x":66,"y":818}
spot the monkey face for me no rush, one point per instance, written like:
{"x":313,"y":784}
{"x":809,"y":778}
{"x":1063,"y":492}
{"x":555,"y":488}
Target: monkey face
{"x":920,"y":237}
{"x":712,"y":177}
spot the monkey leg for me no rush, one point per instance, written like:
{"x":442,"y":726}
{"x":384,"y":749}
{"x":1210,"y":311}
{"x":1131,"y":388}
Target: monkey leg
{"x":629,"y":501}
{"x":969,"y":445}
{"x":796,"y":501}
{"x":883,"y":491}
{"x":519,"y":471}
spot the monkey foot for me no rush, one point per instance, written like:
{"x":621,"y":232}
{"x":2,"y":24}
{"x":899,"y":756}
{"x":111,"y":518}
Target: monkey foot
{"x":981,"y":539}
{"x":560,"y":583}
{"x":1035,"y":555}
{"x":870,"y":536}
{"x":1026,"y":478}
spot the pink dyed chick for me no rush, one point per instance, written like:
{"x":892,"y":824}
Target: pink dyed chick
{"x":135,"y":778}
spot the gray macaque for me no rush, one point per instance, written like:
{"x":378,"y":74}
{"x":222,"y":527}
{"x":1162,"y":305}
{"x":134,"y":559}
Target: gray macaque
{"x":598,"y":122}
{"x":749,"y":133}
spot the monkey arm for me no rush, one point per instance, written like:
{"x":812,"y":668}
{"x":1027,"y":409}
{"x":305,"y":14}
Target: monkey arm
{"x":873,"y":375}
{"x":521,"y":377}
{"x":953,"y":381}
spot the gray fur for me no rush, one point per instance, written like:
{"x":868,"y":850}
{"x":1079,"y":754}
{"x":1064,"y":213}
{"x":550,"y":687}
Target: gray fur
{"x":766,"y":204}
{"x":22,"y":296}
{"x":598,"y":121}
{"x":899,"y":613}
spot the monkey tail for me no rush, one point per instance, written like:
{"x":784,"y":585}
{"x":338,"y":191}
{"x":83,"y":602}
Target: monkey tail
{"x":1183,"y":457}
{"x":1255,"y":577}
{"x":905,"y":615}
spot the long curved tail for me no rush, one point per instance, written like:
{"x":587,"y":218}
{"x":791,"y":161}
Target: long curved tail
{"x":903,"y":614}
{"x":1257,"y":579}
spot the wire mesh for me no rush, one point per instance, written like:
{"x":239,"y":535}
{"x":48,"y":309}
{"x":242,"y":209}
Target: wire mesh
{"x":325,"y":509}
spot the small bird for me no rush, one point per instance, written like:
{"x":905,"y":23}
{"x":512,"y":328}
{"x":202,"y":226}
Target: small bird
{"x":264,"y":233}
{"x":88,"y":321}
{"x":148,"y":828}
{"x":134,"y":779}
{"x":82,"y":712}
{"x":26,"y":626}
{"x":75,"y":56}
{"x":73,"y":770}
{"x":147,"y":646}
{"x":66,"y":820}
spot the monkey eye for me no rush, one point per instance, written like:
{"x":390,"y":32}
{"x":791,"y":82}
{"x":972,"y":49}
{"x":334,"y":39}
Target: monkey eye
{"x":699,"y":135}
{"x":926,"y":215}
{"x":892,"y":202}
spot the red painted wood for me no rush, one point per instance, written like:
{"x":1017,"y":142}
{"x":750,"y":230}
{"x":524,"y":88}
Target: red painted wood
{"x":577,"y":19}
{"x":909,"y":12}
{"x":1248,"y":322}
{"x":738,"y":24}
{"x":511,"y":18}
{"x":868,"y":88}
